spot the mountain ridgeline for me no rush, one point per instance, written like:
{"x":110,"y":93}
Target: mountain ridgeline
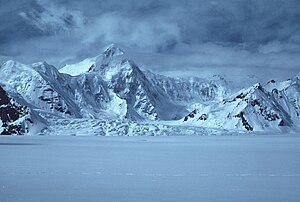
{"x":111,"y":86}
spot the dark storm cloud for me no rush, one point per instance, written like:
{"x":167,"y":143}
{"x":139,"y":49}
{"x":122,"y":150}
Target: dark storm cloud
{"x":190,"y":33}
{"x":231,"y":21}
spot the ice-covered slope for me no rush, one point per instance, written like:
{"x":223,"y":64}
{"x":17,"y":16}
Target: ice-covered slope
{"x":16,"y":116}
{"x":41,"y":85}
{"x":288,"y":95}
{"x":253,"y":109}
{"x":141,"y":95}
{"x":190,"y":90}
{"x":94,"y":97}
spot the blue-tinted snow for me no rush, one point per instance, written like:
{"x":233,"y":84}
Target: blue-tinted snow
{"x":212,"y":168}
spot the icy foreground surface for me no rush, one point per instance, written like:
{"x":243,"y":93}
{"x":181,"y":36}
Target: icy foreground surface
{"x":211,"y":168}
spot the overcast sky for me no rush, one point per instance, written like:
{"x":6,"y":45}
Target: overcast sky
{"x":260,"y":37}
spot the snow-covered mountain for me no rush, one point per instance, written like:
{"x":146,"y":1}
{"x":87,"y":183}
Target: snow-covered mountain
{"x":111,"y":86}
{"x":17,"y":116}
{"x":41,"y":85}
{"x":258,"y":108}
{"x":146,"y":95}
{"x":140,"y":97}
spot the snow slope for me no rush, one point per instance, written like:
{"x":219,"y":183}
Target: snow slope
{"x":88,"y":64}
{"x":41,"y":85}
{"x":227,"y":168}
{"x":190,"y":90}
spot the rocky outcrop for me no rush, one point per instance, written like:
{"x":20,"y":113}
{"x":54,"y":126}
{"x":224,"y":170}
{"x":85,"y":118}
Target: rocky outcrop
{"x":16,"y":118}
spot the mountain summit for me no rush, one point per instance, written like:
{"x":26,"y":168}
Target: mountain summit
{"x":112,"y":50}
{"x":107,"y":55}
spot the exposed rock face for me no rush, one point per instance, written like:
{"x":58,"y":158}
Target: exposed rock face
{"x":12,"y":115}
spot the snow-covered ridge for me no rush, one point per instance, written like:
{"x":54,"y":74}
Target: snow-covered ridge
{"x":254,"y":109}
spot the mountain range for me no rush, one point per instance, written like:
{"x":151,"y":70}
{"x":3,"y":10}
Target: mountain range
{"x":112,"y":87}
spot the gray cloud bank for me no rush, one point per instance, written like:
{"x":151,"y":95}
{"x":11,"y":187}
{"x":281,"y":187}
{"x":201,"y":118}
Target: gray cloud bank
{"x":164,"y":35}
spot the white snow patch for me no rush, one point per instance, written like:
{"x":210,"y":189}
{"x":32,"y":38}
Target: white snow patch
{"x":79,"y":68}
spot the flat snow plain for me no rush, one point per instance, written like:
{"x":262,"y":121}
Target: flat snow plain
{"x":211,"y":168}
